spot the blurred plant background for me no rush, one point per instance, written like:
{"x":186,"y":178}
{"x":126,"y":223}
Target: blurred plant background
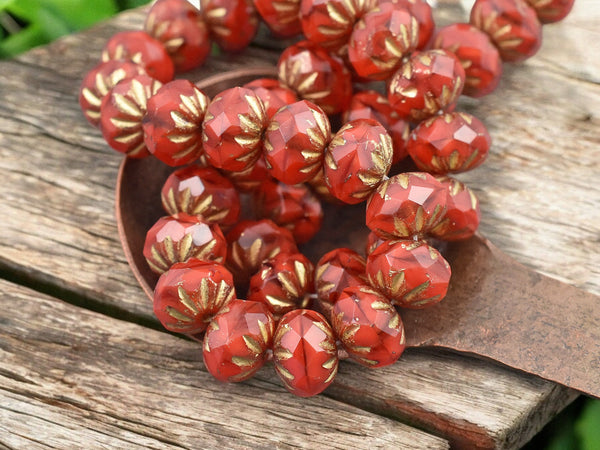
{"x":28,"y":23}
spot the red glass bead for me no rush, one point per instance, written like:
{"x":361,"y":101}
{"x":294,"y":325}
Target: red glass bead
{"x":237,"y":340}
{"x":232,"y":23}
{"x":172,"y":240}
{"x":232,"y":129}
{"x":304,"y":352}
{"x":478,"y":56}
{"x":319,"y":186}
{"x":251,"y":178}
{"x":273,"y":95}
{"x":122,"y":112}
{"x":335,"y":271}
{"x":294,"y":207}
{"x":142,"y":49}
{"x":373,"y":241}
{"x":421,"y":11}
{"x":281,"y":16}
{"x":201,"y":192}
{"x":189,"y":294}
{"x":410,"y":273}
{"x":450,"y":143}
{"x":317,"y":76}
{"x":357,"y":159}
{"x":462,"y":212}
{"x":173,"y":121}
{"x":180,"y":27}
{"x":408,"y":204}
{"x":368,"y":326}
{"x":512,"y":25}
{"x":550,"y":11}
{"x":380,"y":40}
{"x":99,"y":81}
{"x":295,"y":141}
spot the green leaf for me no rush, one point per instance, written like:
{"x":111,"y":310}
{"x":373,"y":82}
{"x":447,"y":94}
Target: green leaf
{"x":78,"y":14}
{"x":587,"y":426}
{"x":30,"y":37}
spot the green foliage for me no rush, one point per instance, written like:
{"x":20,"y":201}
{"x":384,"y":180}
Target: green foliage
{"x":587,"y":428}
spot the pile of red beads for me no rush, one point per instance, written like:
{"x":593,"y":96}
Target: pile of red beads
{"x":260,"y":142}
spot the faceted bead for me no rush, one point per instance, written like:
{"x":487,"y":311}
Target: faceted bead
{"x":381,"y":39}
{"x":251,"y":178}
{"x":295,"y":141}
{"x":335,"y":271}
{"x":304,"y":352}
{"x":550,"y":11}
{"x":317,"y":76}
{"x":201,"y":192}
{"x":281,"y":16}
{"x":357,"y":159}
{"x":319,"y":185}
{"x":429,"y":82}
{"x":180,"y":27}
{"x":294,"y":207}
{"x":477,"y":54}
{"x":368,"y":326}
{"x":232,"y":23}
{"x":232,"y":129}
{"x":373,"y":105}
{"x":172,"y":240}
{"x":99,"y":81}
{"x":173,"y":123}
{"x":373,"y":241}
{"x":462,"y":212}
{"x":512,"y":25}
{"x":283,"y":283}
{"x":421,"y":11}
{"x":408,"y":204}
{"x":189,"y":294}
{"x":273,"y":95}
{"x":411,"y":274}
{"x":142,"y":49}
{"x":450,"y":143}
{"x":237,"y":339}
{"x":122,"y":112}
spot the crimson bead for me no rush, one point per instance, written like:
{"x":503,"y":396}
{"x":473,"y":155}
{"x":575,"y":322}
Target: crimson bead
{"x":357,"y":159}
{"x":172,"y":240}
{"x":462,"y":212}
{"x":142,"y":49}
{"x":173,"y":121}
{"x":99,"y":81}
{"x":304,"y":352}
{"x":295,"y":141}
{"x":319,"y":185}
{"x":512,"y":25}
{"x":281,"y":16}
{"x":421,"y":11}
{"x":317,"y":76}
{"x":453,"y":142}
{"x":410,"y":273}
{"x":232,"y":129}
{"x":201,"y":192}
{"x":295,"y":207}
{"x":373,"y":241}
{"x":273,"y":95}
{"x":550,"y":11}
{"x":251,"y":178}
{"x":478,"y":56}
{"x":232,"y":23}
{"x":122,"y":112}
{"x":406,"y":205}
{"x":237,"y":340}
{"x":381,"y":39}
{"x":427,"y":83}
{"x":180,"y":27}
{"x":189,"y":294}
{"x":368,"y":326}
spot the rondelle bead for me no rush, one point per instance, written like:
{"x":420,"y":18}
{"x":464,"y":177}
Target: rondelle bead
{"x":462,"y":216}
{"x":316,"y":75}
{"x":304,"y":352}
{"x":251,"y":178}
{"x":201,"y":192}
{"x":512,"y":25}
{"x":232,"y":129}
{"x":142,"y":49}
{"x":180,"y":27}
{"x":373,"y":241}
{"x":427,"y":83}
{"x":172,"y":240}
{"x":273,"y":95}
{"x":237,"y":339}
{"x":173,"y":123}
{"x":281,"y":16}
{"x":408,"y":204}
{"x":450,"y":143}
{"x":357,"y":159}
{"x":231,"y":23}
{"x":122,"y":112}
{"x":189,"y":294}
{"x":477,"y":54}
{"x":319,"y":187}
{"x":550,"y":11}
{"x":368,"y":326}
{"x":99,"y":81}
{"x":421,"y":11}
{"x":295,"y":141}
